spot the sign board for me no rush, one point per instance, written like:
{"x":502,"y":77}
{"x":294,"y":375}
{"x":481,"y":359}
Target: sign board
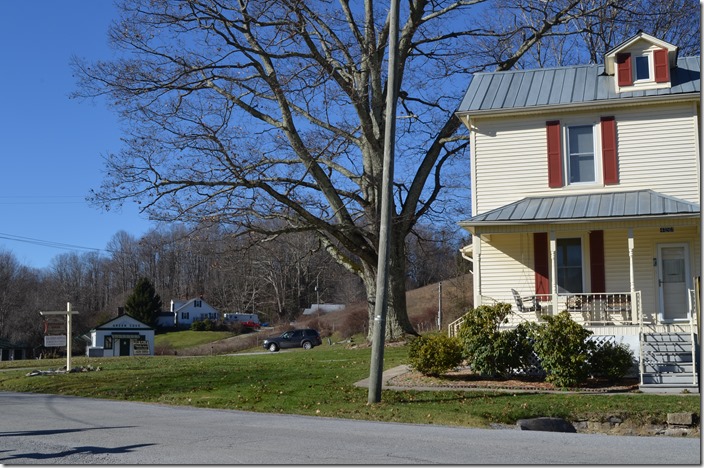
{"x":54,"y":341}
{"x":141,"y":348}
{"x":55,"y":328}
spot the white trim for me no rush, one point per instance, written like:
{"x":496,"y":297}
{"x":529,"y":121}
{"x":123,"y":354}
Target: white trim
{"x":687,"y":279}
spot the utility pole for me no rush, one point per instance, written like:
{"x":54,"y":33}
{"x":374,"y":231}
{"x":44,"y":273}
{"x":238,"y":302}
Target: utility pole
{"x":439,"y":305}
{"x":382,"y":279}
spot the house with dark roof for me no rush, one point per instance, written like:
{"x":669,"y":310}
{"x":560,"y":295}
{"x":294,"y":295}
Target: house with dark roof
{"x":586,"y":198}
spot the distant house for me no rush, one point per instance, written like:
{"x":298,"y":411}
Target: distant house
{"x":183,"y":313}
{"x":121,"y":336}
{"x":323,"y":308}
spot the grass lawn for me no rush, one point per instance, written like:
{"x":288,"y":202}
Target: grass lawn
{"x":188,"y":338}
{"x":320,"y":382}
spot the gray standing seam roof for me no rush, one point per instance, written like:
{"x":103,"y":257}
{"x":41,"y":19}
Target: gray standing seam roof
{"x":634,"y":204}
{"x":526,"y":89}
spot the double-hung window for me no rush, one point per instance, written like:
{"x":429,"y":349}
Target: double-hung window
{"x":581,"y":163}
{"x":570,"y":276}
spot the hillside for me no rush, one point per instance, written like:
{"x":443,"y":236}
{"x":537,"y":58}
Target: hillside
{"x":457,"y":298}
{"x":422,"y":305}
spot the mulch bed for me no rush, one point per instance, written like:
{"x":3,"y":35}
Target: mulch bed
{"x":465,"y":378}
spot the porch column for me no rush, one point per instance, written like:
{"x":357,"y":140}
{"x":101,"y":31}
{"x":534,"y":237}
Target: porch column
{"x":476,"y":268}
{"x":630,"y":260}
{"x":553,"y":271}
{"x":631,"y":271}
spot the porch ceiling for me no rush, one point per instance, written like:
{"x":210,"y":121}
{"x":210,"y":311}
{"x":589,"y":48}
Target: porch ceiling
{"x":614,"y":206}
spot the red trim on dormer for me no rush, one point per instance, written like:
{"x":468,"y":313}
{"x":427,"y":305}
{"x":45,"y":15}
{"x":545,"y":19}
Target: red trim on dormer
{"x":554,"y":154}
{"x":624,"y":70}
{"x":609,"y":152}
{"x":661,"y":65}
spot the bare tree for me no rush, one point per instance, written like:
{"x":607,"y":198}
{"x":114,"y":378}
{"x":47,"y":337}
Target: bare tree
{"x":239,"y":112}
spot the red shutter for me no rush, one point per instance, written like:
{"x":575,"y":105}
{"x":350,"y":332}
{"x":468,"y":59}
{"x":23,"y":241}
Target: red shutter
{"x":554,"y":154}
{"x":623,"y":69}
{"x":541,"y":260}
{"x":662,"y":67}
{"x":596,"y":255}
{"x":608,"y":150}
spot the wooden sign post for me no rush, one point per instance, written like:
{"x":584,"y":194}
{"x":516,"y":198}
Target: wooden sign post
{"x":54,"y":341}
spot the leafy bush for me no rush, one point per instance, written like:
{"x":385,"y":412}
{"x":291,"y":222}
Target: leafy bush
{"x":434,"y":355}
{"x":611,"y":361}
{"x":489,"y":350}
{"x":198,"y":325}
{"x":563,"y":349}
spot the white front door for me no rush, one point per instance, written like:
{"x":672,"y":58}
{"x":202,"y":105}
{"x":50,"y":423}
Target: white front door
{"x":673,"y":281}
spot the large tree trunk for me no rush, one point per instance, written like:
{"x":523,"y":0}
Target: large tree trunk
{"x":397,"y":323}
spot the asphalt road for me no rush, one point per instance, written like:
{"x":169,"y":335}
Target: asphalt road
{"x":51,"y":429}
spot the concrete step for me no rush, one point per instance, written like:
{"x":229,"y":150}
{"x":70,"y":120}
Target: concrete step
{"x":667,"y":348}
{"x":667,"y":367}
{"x":660,"y":388}
{"x":667,"y":337}
{"x":683,"y":378}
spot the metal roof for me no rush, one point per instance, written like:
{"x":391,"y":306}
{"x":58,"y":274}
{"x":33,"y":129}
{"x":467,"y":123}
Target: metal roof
{"x":582,"y":84}
{"x":585,"y":207}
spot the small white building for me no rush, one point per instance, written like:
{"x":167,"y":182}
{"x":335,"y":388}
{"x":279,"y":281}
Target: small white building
{"x":121,"y":336}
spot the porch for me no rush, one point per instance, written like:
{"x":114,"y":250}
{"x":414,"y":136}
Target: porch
{"x":617,"y":313}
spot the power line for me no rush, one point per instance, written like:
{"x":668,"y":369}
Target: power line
{"x":46,"y":243}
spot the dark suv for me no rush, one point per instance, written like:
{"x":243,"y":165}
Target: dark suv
{"x":306,"y":338}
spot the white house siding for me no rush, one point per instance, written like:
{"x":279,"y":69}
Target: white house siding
{"x":657,"y":149}
{"x":506,"y":263}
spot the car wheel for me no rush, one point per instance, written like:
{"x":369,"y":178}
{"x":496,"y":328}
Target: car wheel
{"x":307,"y":345}
{"x":273,"y":348}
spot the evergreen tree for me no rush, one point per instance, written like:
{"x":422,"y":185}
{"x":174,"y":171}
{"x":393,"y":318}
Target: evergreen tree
{"x":144,"y":303}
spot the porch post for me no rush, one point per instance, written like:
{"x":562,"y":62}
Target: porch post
{"x":476,"y":268}
{"x":553,"y":271}
{"x":631,"y":271}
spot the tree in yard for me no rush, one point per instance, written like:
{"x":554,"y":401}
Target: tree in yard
{"x":144,"y":303}
{"x":268,"y":115}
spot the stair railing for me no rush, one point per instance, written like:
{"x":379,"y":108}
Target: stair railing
{"x":692,"y":315}
{"x":640,"y":337}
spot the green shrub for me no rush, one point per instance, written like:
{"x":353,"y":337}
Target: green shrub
{"x":489,"y":350}
{"x":563,"y":349}
{"x":197,"y":325}
{"x":434,"y":355}
{"x":611,"y":361}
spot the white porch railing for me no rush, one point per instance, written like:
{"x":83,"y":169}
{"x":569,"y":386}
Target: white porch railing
{"x":617,"y":308}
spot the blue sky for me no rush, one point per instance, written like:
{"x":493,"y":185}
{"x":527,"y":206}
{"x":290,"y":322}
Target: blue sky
{"x":51,"y":147}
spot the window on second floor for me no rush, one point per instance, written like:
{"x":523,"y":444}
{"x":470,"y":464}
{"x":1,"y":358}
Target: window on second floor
{"x":581,"y":163}
{"x":582,"y":153}
{"x":197,"y":303}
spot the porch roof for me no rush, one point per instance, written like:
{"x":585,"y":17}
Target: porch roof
{"x":614,"y":206}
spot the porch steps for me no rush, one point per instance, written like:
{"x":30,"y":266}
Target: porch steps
{"x":667,"y":363}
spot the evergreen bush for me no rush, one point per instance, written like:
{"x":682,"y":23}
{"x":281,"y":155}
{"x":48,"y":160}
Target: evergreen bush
{"x":434,"y":355}
{"x":489,"y":350}
{"x":611,"y":361}
{"x":563,"y":349}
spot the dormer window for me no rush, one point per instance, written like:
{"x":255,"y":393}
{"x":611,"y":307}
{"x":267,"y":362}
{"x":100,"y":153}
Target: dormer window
{"x":642,"y":62}
{"x":642,"y":69}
